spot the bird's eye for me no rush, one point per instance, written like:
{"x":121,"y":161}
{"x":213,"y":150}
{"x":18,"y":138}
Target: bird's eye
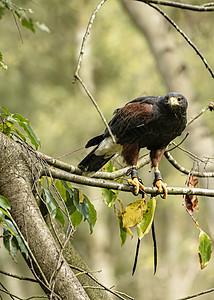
{"x":179,"y":99}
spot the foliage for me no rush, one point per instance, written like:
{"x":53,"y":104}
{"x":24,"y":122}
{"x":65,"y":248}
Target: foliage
{"x":204,"y":249}
{"x":11,"y":238}
{"x":78,"y":205}
{"x":8,"y":126}
{"x":22,"y":14}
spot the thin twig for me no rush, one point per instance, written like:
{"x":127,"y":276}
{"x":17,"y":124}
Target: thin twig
{"x":96,"y":106}
{"x":17,"y":25}
{"x":18,"y":277}
{"x":82,"y":49}
{"x":76,"y":74}
{"x":202,"y":8}
{"x":203,"y":110}
{"x":185,"y":171}
{"x":198,"y":294}
{"x":29,"y":298}
{"x":183,"y":34}
{"x":115,"y":293}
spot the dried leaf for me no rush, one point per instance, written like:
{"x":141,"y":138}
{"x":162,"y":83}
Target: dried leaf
{"x":191,"y":201}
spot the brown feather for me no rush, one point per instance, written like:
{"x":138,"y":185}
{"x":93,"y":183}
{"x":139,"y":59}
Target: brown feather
{"x":130,"y":153}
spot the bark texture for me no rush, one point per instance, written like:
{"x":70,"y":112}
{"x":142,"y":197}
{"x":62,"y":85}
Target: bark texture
{"x":17,"y":172}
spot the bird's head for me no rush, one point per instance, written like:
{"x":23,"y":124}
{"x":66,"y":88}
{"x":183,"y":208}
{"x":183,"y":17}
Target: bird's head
{"x":175,"y":101}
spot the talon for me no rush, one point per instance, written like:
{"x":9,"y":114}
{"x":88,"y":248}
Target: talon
{"x":137,"y":184}
{"x":161,"y":187}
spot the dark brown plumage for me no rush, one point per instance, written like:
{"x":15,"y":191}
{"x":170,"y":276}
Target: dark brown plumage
{"x":150,"y":122}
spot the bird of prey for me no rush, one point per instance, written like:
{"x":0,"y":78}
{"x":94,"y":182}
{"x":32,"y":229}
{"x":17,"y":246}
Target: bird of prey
{"x":150,"y":122}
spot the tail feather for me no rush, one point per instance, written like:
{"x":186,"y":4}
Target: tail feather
{"x":94,"y":141}
{"x":93,"y":162}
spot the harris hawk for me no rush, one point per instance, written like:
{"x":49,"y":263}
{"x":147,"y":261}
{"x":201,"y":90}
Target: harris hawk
{"x":150,"y":122}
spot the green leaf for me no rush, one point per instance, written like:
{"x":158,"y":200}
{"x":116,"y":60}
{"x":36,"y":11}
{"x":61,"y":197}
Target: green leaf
{"x":76,"y":218}
{"x":204,"y":249}
{"x":14,"y":232}
{"x":5,"y":212}
{"x":51,"y":203}
{"x":19,"y":134}
{"x":53,"y":207}
{"x":24,"y":123}
{"x":144,"y":226}
{"x":82,"y":206}
{"x":4,"y":203}
{"x":68,"y":188}
{"x":5,"y":110}
{"x":123,"y":234}
{"x":20,"y":118}
{"x":2,"y":215}
{"x":10,"y":243}
{"x":60,"y":217}
{"x":61,"y":189}
{"x":92,"y":212}
{"x":6,"y":127}
{"x":75,"y":200}
{"x":109,"y":196}
{"x":28,"y":23}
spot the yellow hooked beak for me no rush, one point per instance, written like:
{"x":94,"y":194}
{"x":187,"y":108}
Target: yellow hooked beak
{"x":173,"y":101}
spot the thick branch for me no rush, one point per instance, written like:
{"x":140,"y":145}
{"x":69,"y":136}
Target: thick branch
{"x":124,"y":187}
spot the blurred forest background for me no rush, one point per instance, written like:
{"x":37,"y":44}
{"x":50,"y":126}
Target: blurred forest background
{"x":120,"y":63}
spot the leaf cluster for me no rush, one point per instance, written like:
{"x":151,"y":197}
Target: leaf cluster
{"x":22,"y":14}
{"x":10,"y":125}
{"x":78,"y":207}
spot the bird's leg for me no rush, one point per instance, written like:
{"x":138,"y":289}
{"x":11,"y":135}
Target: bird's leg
{"x":156,"y":156}
{"x":130,"y":153}
{"x":158,"y":182}
{"x":136,"y":181}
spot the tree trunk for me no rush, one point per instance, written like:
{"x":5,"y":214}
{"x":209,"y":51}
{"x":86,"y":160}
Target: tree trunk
{"x":18,"y":177}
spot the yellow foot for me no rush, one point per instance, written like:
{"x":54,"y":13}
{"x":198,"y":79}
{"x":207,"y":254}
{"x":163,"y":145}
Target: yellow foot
{"x":137,"y":184}
{"x":161,"y":187}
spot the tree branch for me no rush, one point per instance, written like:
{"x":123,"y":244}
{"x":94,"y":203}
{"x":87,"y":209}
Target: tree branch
{"x":207,"y":7}
{"x":125,"y":187}
{"x":198,"y":294}
{"x":18,"y":277}
{"x":185,"y":171}
{"x":76,"y":74}
{"x":72,"y":169}
{"x":183,"y":34}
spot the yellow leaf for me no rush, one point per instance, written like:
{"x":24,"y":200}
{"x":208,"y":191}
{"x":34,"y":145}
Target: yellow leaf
{"x":133,"y":213}
{"x":81,"y":197}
